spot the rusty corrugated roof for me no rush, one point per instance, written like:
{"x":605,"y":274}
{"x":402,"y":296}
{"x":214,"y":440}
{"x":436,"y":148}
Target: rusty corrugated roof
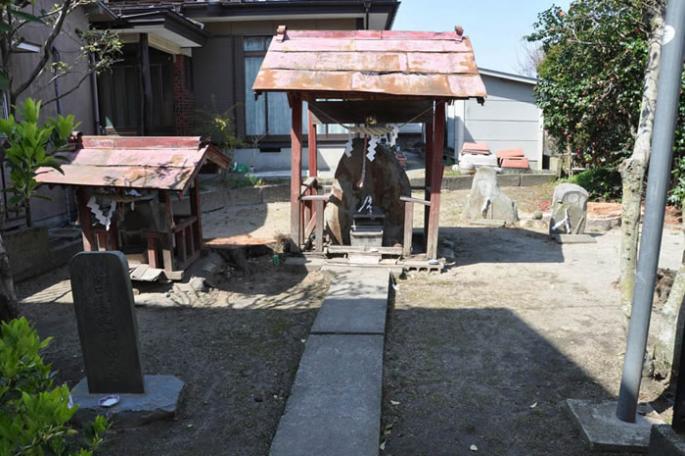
{"x":425,"y":64}
{"x":142,"y":162}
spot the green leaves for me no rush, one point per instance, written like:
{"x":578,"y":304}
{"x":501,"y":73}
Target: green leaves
{"x":34,"y":414}
{"x":32,"y":146}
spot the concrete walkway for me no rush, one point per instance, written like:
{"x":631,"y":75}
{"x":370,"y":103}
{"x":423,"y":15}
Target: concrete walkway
{"x":334,"y":408}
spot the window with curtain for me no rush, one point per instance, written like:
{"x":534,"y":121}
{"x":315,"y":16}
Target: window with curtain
{"x":268,"y":115}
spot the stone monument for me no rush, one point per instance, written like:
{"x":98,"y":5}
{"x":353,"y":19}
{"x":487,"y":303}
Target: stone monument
{"x":108,"y":331}
{"x":569,"y":214}
{"x":487,"y":204}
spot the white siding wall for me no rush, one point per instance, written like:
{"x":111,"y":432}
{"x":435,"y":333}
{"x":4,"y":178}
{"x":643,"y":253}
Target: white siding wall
{"x":509,"y":118}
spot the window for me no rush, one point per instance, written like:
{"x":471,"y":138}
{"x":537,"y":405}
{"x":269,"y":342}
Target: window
{"x":268,"y":115}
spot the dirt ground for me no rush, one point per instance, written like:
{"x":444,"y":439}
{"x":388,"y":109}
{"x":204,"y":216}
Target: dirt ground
{"x":237,"y":349}
{"x":483,"y":354}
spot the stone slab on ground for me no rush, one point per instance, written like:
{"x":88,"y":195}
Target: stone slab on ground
{"x":160,"y":401}
{"x":665,"y":442}
{"x":574,"y":239}
{"x":490,"y":223}
{"x":334,"y":407}
{"x":603,"y":431}
{"x":351,"y":316}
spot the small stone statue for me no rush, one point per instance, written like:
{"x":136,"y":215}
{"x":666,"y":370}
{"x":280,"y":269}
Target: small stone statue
{"x":569,"y":210}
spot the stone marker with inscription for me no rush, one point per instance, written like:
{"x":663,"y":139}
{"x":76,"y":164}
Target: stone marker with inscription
{"x":108,"y":331}
{"x":486,"y":203}
{"x":569,"y":214}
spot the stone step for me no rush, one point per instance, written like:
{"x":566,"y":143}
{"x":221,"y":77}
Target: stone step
{"x":334,"y":407}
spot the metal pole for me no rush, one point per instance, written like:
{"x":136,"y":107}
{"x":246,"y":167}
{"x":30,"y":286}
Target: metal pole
{"x":658,"y":179}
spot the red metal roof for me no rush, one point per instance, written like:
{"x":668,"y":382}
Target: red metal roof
{"x":426,"y":64}
{"x":143,"y":162}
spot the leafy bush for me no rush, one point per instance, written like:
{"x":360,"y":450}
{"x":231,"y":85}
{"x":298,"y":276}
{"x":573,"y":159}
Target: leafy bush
{"x":34,"y":414}
{"x":32,"y":146}
{"x":602,"y":183}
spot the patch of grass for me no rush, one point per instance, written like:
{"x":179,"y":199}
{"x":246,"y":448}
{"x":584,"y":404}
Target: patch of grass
{"x":602,"y":183}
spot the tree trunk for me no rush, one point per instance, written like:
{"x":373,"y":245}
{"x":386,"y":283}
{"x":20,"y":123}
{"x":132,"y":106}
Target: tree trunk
{"x":8,"y":299}
{"x":633,"y":169}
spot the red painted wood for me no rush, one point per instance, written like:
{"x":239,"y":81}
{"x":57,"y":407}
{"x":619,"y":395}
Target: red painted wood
{"x":85,"y":220}
{"x":436,"y":181}
{"x":152,"y":252}
{"x":428,"y":160}
{"x":295,"y":168}
{"x":312,"y":147}
{"x":136,"y":142}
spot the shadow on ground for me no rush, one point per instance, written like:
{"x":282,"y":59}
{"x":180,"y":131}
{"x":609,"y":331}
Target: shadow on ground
{"x":462,"y":377}
{"x":501,"y":245}
{"x":238,"y":365}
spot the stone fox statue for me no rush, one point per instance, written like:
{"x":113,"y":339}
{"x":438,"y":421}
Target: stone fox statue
{"x":355,"y":177}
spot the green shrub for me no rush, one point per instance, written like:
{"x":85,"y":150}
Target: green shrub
{"x":602,"y":183}
{"x":34,"y":414}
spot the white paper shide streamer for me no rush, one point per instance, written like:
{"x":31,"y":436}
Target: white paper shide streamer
{"x":103,"y":218}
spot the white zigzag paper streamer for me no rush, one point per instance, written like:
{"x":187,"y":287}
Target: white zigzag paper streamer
{"x":348,"y":146}
{"x":371,"y":149}
{"x":100,"y":216}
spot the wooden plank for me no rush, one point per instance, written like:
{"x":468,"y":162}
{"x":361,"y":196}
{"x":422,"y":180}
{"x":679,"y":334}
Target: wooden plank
{"x":428,"y":159}
{"x":176,"y":179}
{"x":168,"y":253}
{"x":319,"y":44}
{"x":436,"y":181}
{"x":338,"y":249}
{"x":85,"y":220}
{"x":164,"y":158}
{"x":338,"y":61}
{"x":152,"y":252}
{"x":312,"y":146}
{"x":324,"y":197}
{"x":408,"y":227}
{"x":409,"y":199}
{"x":180,"y":238}
{"x":142,"y":142}
{"x":295,"y":169}
{"x":318,"y":234}
{"x":427,"y":62}
{"x":102,"y":239}
{"x":196,"y":211}
{"x":145,"y":85}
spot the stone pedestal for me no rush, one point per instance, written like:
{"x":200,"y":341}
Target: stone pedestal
{"x":665,"y":442}
{"x":160,"y":401}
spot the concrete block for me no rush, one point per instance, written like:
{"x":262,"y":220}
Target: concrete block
{"x":457,"y":182}
{"x":160,"y":401}
{"x":665,"y":442}
{"x":509,"y":180}
{"x":528,"y":180}
{"x":603,"y":431}
{"x":351,"y":316}
{"x":574,"y":239}
{"x":29,"y":252}
{"x":334,"y":407}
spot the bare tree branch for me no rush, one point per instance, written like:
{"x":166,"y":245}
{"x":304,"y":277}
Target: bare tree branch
{"x":47,"y":49}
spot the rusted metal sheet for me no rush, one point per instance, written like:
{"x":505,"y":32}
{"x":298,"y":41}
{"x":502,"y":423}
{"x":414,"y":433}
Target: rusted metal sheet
{"x":162,"y":163}
{"x":415,"y":64}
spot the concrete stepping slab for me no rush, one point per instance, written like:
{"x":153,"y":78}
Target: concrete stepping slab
{"x":351,"y":316}
{"x":334,"y":407}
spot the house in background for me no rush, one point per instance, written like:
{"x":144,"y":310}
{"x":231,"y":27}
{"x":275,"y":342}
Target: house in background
{"x":509,"y":118}
{"x":185,"y":58}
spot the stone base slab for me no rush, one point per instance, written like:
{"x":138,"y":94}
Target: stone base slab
{"x":159,"y":402}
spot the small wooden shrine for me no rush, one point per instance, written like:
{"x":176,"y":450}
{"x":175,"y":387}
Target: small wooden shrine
{"x":125,"y":188}
{"x":353,"y":76}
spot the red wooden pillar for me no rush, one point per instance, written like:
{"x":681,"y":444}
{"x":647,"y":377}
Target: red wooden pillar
{"x":85,"y":220}
{"x":196,"y":210}
{"x":296,"y":168}
{"x":436,"y":180}
{"x":427,"y":180}
{"x":312,"y":146}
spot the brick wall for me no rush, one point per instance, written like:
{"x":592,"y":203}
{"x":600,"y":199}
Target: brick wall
{"x":184,"y":99}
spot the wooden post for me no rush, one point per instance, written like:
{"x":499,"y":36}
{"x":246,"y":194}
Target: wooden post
{"x":436,"y":180}
{"x":145,"y":84}
{"x":167,"y":240}
{"x":427,"y":181}
{"x":312,"y":147}
{"x":296,"y":169}
{"x":85,"y":220}
{"x":196,"y":210}
{"x":152,"y":252}
{"x":408,"y":227}
{"x":318,"y":233}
